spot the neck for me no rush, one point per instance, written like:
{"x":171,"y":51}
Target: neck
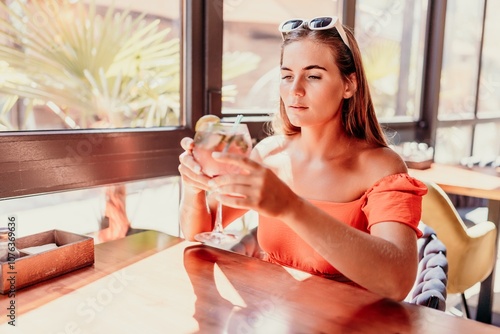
{"x":325,"y":142}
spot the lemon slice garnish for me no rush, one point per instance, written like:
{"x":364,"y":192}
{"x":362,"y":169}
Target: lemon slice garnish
{"x":206,"y":119}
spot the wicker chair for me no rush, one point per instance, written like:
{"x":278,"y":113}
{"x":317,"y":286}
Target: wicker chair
{"x":432,"y":277}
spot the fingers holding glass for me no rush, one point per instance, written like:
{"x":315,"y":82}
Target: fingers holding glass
{"x":190,"y":172}
{"x":233,"y":138}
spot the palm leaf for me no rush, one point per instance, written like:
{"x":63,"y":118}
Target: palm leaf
{"x":7,"y":104}
{"x":122,"y":70}
{"x":97,"y":65}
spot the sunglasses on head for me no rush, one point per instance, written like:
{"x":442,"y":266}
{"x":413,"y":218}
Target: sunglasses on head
{"x":318,"y":23}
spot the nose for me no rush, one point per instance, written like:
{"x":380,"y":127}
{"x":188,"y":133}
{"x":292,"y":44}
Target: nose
{"x":297,"y":88}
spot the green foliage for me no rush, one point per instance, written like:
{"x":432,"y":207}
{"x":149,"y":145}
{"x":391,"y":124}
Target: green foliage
{"x":114,"y":70}
{"x":105,"y":70}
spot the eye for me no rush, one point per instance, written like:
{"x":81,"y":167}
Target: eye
{"x":286,"y":77}
{"x":314,"y":77}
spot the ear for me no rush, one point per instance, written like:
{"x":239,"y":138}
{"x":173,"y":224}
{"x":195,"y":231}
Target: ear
{"x":350,"y":86}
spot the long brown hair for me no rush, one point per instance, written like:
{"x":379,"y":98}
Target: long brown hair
{"x":358,"y":114}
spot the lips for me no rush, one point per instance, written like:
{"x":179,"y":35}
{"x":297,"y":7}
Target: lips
{"x":297,"y":107}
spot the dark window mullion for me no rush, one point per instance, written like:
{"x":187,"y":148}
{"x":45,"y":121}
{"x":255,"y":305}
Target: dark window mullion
{"x":214,"y":30}
{"x":480,"y":62}
{"x":433,"y":59}
{"x":349,"y":13}
{"x":405,"y":58}
{"x":478,"y":83}
{"x":214,"y":35}
{"x":193,"y":61}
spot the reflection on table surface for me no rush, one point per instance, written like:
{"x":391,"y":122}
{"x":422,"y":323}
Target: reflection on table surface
{"x":162,"y":284}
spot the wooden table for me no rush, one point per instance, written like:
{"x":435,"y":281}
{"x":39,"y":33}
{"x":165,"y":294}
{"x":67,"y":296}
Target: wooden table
{"x":481,"y":182}
{"x":154,"y":283}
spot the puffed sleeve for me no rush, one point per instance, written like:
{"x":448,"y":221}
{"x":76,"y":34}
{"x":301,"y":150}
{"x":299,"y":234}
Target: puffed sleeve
{"x":395,"y":198}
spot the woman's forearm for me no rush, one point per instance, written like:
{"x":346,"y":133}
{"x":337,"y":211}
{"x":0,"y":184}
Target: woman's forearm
{"x":385,"y":264}
{"x":194,"y":213}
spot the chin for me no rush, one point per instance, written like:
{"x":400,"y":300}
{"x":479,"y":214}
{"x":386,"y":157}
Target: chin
{"x":295,"y":121}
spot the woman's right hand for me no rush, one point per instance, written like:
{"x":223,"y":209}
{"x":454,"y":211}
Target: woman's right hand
{"x":189,"y":169}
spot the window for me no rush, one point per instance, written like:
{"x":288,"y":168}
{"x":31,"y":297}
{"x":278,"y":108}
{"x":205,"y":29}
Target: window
{"x":452,"y":144}
{"x":90,"y":64}
{"x":487,"y":142}
{"x":66,"y":150}
{"x":469,"y":110}
{"x":106,"y":213}
{"x":459,"y":73}
{"x":489,"y":85}
{"x":54,"y":144}
{"x":391,"y":37}
{"x":251,"y":49}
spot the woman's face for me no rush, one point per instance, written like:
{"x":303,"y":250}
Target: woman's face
{"x":312,"y":89}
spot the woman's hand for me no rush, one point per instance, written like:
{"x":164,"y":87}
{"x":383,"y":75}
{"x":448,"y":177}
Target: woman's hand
{"x":255,"y":188}
{"x":189,"y":169}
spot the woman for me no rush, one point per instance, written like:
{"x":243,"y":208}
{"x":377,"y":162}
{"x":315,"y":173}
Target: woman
{"x":332,"y":198}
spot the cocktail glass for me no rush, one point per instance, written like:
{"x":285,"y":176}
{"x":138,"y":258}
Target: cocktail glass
{"x":219,"y":137}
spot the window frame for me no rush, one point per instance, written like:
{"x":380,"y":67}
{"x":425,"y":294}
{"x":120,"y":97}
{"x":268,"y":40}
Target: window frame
{"x":40,"y":162}
{"x":429,"y":122}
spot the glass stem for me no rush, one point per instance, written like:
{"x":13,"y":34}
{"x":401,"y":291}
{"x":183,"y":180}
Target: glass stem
{"x":218,"y":219}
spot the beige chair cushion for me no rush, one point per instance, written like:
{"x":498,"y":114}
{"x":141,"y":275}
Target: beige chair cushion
{"x":470,"y":251}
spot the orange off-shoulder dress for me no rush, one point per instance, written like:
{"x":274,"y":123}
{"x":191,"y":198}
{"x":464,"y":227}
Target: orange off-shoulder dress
{"x":394,"y":198}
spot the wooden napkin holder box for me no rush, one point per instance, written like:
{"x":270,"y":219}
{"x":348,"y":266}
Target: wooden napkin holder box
{"x":73,"y":252}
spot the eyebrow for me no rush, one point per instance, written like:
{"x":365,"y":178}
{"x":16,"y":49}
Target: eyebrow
{"x":310,"y":67}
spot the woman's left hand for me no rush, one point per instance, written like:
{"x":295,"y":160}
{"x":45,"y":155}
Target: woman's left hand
{"x":256,"y":187}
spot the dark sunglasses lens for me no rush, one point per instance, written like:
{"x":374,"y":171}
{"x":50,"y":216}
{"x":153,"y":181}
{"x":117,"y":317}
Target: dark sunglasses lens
{"x":320,"y":22}
{"x":291,"y":25}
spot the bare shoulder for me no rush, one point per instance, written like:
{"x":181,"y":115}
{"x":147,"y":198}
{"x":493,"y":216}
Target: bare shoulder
{"x":383,"y":161}
{"x":269,"y":146}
